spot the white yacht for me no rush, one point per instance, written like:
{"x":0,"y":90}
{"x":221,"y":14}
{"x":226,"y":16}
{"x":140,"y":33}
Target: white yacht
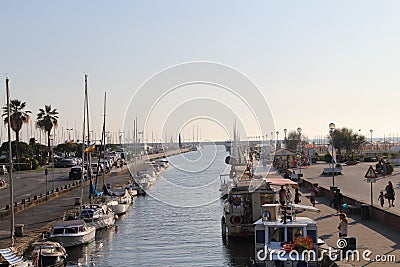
{"x":98,"y":215}
{"x":72,"y":233}
{"x":118,"y":200}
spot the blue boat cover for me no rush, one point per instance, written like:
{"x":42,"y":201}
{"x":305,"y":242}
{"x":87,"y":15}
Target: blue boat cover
{"x":10,"y":257}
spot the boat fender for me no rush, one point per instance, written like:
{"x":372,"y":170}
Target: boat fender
{"x":116,"y":217}
{"x":235,"y":220}
{"x":236,"y":201}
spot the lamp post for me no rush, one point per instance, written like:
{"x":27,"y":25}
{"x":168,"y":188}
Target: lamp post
{"x":300,"y":147}
{"x":332,"y":127}
{"x":69,"y":133}
{"x":46,"y":172}
{"x":52,"y":158}
{"x":285,"y":131}
{"x":371,"y":138}
{"x":277,"y":139}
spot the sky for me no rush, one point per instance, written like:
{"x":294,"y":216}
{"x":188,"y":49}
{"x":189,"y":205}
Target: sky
{"x":315,"y":62}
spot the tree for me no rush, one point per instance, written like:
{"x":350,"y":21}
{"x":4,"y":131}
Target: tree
{"x":293,"y":140}
{"x":345,"y":139}
{"x":46,"y":120}
{"x":18,"y":116}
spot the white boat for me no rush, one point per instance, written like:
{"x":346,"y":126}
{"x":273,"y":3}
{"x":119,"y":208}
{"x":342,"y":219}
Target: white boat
{"x":48,"y":253}
{"x":278,"y":235}
{"x":72,"y":233}
{"x":98,"y":215}
{"x":118,"y":200}
{"x":163,"y":163}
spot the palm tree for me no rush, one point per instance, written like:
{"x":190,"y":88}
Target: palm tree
{"x":18,"y":116}
{"x":46,"y":120}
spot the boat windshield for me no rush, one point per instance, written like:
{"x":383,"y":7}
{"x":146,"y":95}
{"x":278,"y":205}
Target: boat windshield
{"x":87,"y":214}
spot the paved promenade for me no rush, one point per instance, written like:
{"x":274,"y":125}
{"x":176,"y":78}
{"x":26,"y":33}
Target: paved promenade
{"x":370,"y":235}
{"x":353,"y":184}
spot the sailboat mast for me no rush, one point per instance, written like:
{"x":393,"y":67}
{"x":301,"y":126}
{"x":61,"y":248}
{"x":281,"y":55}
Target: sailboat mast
{"x":83,"y":141}
{"x":89,"y":172}
{"x":10,"y":163}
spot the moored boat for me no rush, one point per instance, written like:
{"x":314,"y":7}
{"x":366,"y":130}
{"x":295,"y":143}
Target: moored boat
{"x":283,"y":239}
{"x":48,"y":253}
{"x":118,"y":200}
{"x":72,"y":233}
{"x":97,"y":215}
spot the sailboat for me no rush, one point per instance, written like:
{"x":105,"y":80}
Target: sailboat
{"x":74,"y":231}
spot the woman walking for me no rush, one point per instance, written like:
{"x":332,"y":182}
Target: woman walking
{"x":390,"y":193}
{"x":343,"y":225}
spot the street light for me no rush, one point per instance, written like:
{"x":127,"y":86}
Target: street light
{"x":52,"y":158}
{"x":371,"y":138}
{"x":69,"y":133}
{"x":300,"y":148}
{"x":332,"y":127}
{"x":277,"y":139}
{"x":285,"y":131}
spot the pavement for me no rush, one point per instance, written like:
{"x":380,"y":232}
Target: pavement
{"x":382,"y":241}
{"x":353,"y":184}
{"x":38,"y":219}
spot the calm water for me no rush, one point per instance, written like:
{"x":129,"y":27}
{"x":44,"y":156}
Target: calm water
{"x":177,"y":224}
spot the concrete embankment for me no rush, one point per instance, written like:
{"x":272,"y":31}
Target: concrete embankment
{"x":36,"y":215}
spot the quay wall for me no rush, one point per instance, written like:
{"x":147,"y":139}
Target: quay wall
{"x":33,"y":201}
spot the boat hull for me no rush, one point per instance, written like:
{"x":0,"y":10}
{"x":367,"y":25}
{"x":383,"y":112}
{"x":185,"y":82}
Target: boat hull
{"x":73,"y":240}
{"x":102,"y":222}
{"x":120,"y":208}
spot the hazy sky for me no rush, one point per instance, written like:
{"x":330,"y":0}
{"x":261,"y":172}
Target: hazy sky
{"x":316,"y":62}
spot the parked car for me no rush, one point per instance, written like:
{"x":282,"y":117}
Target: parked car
{"x":65,"y":163}
{"x":75,"y":173}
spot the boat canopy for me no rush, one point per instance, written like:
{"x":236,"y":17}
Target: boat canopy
{"x":111,"y":193}
{"x":281,"y":181}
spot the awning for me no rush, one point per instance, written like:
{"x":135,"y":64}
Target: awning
{"x":10,"y":257}
{"x":281,"y":181}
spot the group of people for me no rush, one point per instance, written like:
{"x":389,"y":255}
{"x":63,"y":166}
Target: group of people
{"x":389,"y":195}
{"x":285,"y":196}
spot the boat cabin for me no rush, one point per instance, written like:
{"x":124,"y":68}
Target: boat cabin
{"x":278,"y":235}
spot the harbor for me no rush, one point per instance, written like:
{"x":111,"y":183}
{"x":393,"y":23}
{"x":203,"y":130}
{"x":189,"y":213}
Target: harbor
{"x":197,"y":242}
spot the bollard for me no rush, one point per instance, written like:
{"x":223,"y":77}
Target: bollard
{"x":7,"y":206}
{"x":23,"y":201}
{"x":19,"y":230}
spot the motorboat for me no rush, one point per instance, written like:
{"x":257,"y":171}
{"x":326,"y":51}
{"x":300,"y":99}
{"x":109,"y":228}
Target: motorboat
{"x":118,"y":200}
{"x":48,"y":253}
{"x":281,"y":237}
{"x":72,"y":233}
{"x":97,"y":215}
{"x":242,"y":206}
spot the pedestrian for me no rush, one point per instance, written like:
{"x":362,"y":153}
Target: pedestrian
{"x":312,"y":195}
{"x":294,"y":176}
{"x":343,"y":225}
{"x":282,"y":196}
{"x":288,"y":196}
{"x":390,"y":193}
{"x":381,"y":199}
{"x":297,"y":195}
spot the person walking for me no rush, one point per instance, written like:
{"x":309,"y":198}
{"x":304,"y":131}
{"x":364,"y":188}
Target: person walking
{"x":312,"y":195}
{"x":282,"y":196}
{"x":390,"y":193}
{"x":294,"y":176}
{"x":288,"y":196}
{"x":343,"y":225}
{"x":381,"y":199}
{"x":297,"y":195}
